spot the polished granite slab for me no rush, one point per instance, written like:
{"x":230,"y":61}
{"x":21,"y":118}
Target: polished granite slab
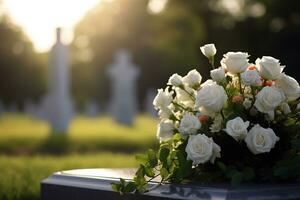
{"x":90,"y":184}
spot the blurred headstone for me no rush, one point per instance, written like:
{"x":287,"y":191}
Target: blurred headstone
{"x":12,"y":107}
{"x":30,"y":108}
{"x":91,"y":109}
{"x":2,"y":109}
{"x":123,"y":75}
{"x":149,"y":108}
{"x":57,"y":104}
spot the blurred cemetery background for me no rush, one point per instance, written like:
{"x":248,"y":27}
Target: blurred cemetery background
{"x":78,"y":95}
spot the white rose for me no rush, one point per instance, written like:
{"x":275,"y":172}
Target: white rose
{"x":247,"y":103}
{"x":209,"y":50}
{"x":175,"y":80}
{"x":251,"y":78}
{"x":235,"y":62}
{"x":186,"y":96}
{"x":261,"y":140}
{"x":165,"y":130}
{"x":269,"y":67}
{"x":166,"y":112}
{"x":268,"y":99}
{"x":201,"y":149}
{"x":163,"y":99}
{"x":192,"y":79}
{"x":189,"y":124}
{"x":237,"y":128}
{"x":289,"y":86}
{"x":211,"y":96}
{"x":218,"y":74}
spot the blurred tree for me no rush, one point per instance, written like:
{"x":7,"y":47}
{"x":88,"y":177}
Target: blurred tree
{"x":167,"y":41}
{"x":20,"y":71}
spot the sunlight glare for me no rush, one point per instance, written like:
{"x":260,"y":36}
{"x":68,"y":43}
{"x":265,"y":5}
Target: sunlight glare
{"x":39,"y":18}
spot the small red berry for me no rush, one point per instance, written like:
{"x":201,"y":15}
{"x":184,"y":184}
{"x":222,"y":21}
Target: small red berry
{"x":203,"y":118}
{"x":237,"y":99}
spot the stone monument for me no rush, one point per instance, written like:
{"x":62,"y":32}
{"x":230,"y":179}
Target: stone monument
{"x":2,"y":109}
{"x":149,"y":108}
{"x":58,"y":101}
{"x":123,"y":75}
{"x":91,"y":109}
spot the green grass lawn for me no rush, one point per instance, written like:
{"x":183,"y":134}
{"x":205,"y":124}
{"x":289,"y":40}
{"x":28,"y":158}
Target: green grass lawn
{"x":20,"y":176}
{"x":29,"y":153}
{"x":20,"y":134}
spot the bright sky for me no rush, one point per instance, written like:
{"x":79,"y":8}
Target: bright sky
{"x":39,"y":18}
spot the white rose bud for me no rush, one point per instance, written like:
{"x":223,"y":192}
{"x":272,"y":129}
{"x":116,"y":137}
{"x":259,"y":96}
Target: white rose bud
{"x":218,"y":74}
{"x":208,"y":50}
{"x":200,"y":149}
{"x":193,"y":79}
{"x":217,"y":124}
{"x":175,"y":80}
{"x":269,"y":67}
{"x":237,"y":128}
{"x":286,"y":108}
{"x":268,"y":99}
{"x":251,"y":78}
{"x":165,"y":130}
{"x":247,"y":103}
{"x":289,"y":86}
{"x":235,"y":62}
{"x":261,"y":140}
{"x":163,"y":99}
{"x":211,"y":96}
{"x":189,"y":124}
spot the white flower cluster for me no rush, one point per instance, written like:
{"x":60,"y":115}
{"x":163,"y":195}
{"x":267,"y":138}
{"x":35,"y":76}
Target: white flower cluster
{"x":187,"y":103}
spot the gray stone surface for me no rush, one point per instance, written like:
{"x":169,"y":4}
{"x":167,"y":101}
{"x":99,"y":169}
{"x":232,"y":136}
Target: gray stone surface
{"x":56,"y":105}
{"x":94,"y":184}
{"x":123,"y":75}
{"x":91,"y":109}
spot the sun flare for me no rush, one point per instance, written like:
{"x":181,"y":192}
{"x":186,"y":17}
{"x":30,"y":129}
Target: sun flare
{"x":39,"y":18}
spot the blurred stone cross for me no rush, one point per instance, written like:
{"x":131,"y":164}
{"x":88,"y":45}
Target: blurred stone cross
{"x":59,"y":104}
{"x":123,"y":75}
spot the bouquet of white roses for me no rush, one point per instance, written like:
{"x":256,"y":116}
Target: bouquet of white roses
{"x":240,"y":125}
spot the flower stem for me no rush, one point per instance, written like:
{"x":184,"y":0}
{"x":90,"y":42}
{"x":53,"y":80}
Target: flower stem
{"x":212,"y":61}
{"x":240,"y":84}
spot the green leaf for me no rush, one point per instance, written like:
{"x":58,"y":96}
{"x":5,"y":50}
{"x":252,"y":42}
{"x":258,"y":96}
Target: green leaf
{"x":296,"y":144}
{"x":142,"y":158}
{"x":163,"y":156}
{"x":130,"y":187}
{"x":141,"y":171}
{"x":236,"y":178}
{"x":152,"y":158}
{"x":164,"y":173}
{"x":248,"y":173}
{"x":149,"y":171}
{"x":222,"y":166}
{"x":116,"y":187}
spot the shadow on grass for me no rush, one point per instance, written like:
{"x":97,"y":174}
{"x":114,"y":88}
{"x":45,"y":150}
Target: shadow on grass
{"x":55,"y":143}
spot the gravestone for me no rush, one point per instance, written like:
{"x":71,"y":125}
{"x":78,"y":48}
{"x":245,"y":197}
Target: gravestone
{"x":30,"y":108}
{"x":91,"y":109}
{"x":57,"y":104}
{"x":12,"y":107}
{"x":123,"y":75}
{"x":2,"y":108}
{"x":149,"y":108}
{"x":95,"y":184}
